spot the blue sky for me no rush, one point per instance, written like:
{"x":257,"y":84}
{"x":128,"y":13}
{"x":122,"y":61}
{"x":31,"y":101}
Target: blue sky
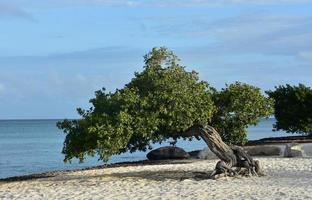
{"x":55,"y":53}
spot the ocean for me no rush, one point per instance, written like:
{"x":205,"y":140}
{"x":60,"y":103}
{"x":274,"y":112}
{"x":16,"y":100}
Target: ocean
{"x":34,"y":146}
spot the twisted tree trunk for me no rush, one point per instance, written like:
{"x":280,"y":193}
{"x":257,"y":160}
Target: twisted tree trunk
{"x":230,"y":156}
{"x":216,"y":145}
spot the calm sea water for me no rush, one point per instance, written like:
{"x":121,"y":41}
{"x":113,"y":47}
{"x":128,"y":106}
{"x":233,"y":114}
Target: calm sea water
{"x":33,"y":146}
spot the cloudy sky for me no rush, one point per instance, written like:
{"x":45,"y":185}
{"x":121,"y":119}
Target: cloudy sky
{"x":55,"y":53}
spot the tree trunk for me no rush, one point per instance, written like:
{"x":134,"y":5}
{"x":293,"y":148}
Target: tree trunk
{"x":230,"y":156}
{"x":216,"y":145}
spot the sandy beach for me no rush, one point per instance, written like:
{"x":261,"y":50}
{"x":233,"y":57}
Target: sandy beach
{"x":286,"y":178}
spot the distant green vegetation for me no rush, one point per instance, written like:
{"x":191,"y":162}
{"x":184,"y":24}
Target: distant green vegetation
{"x":293,"y":108}
{"x":157,"y":104}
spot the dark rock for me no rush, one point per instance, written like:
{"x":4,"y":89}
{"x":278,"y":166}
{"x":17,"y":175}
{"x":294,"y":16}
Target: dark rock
{"x":194,"y":154}
{"x":168,"y":152}
{"x":263,"y":150}
{"x":206,"y":153}
{"x":203,"y":154}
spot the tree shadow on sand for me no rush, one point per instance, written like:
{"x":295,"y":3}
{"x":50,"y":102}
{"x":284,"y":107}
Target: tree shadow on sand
{"x":63,"y":174}
{"x":162,"y":175}
{"x":178,"y":175}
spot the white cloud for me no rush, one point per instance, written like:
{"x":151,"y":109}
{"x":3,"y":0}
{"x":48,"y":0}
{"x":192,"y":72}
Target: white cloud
{"x":149,"y":3}
{"x":190,"y":3}
{"x":13,"y":11}
{"x":259,"y":33}
{"x":305,"y":55}
{"x":266,"y":33}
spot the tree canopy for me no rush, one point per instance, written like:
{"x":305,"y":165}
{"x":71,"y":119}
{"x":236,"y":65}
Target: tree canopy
{"x":159,"y":103}
{"x":293,"y":108}
{"x":238,"y":106}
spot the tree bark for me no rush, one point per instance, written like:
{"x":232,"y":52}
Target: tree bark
{"x":216,"y":145}
{"x":230,"y":156}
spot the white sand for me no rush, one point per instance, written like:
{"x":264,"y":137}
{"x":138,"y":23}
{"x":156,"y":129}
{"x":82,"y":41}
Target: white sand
{"x":286,"y":178}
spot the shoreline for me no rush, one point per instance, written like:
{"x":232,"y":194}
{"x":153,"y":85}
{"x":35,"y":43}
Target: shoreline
{"x":60,"y":172}
{"x":276,"y":141}
{"x":49,"y":174}
{"x":281,"y":140}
